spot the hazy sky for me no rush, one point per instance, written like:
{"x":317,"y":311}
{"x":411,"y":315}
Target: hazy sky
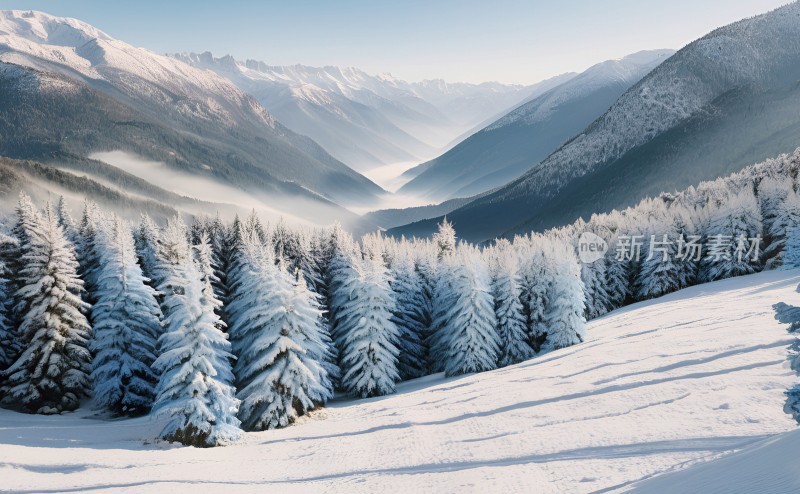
{"x":457,"y":40}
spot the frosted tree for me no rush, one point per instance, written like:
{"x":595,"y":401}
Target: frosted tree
{"x":51,"y":373}
{"x":465,"y":338}
{"x":593,"y":276}
{"x":564,"y":314}
{"x":791,"y":252}
{"x":277,"y":338}
{"x":125,"y":319}
{"x":146,"y":238}
{"x":445,"y":239}
{"x":295,"y":248}
{"x":511,"y":319}
{"x":669,"y":259}
{"x":410,"y":314}
{"x":733,"y":238}
{"x":342,"y":270}
{"x":535,"y":283}
{"x":66,"y":221}
{"x":219,"y":238}
{"x":252,"y":226}
{"x":194,"y":389}
{"x":771,"y":193}
{"x":367,"y":336}
{"x":86,"y":252}
{"x":9,"y":347}
{"x":784,"y":217}
{"x":618,"y":274}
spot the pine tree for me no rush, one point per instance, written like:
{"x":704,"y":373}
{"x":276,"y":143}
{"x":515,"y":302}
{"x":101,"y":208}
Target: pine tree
{"x":341,"y":271}
{"x":733,"y":227}
{"x":661,"y":271}
{"x":564,"y":314}
{"x":86,"y":252}
{"x":410,"y":315}
{"x":445,"y":239}
{"x":367,"y":336}
{"x":194,"y":389}
{"x":535,"y":283}
{"x":618,"y":275}
{"x":9,"y":347}
{"x":465,"y":338}
{"x":126,"y":325}
{"x":511,"y":319}
{"x":146,"y":238}
{"x":66,"y":222}
{"x":784,"y":217}
{"x":593,"y":276}
{"x":276,"y":336}
{"x":51,"y":374}
{"x":791,"y":252}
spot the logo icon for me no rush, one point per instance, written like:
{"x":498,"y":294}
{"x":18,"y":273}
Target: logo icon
{"x":591,"y":248}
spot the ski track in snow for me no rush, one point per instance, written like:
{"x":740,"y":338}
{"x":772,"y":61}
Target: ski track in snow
{"x":659,"y":386}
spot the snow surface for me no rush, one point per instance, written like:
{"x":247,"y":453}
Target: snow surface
{"x":658,"y":386}
{"x":769,"y":466}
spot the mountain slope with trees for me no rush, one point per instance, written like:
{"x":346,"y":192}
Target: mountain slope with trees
{"x":724,"y":101}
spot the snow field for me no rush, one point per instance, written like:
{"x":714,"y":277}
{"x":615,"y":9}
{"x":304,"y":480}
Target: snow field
{"x":658,"y":386}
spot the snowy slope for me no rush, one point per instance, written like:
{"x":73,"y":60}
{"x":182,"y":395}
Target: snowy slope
{"x":94,"y":93}
{"x":724,"y":101}
{"x":514,"y":143}
{"x":361,"y":119}
{"x":658,"y":386}
{"x":768,"y":467}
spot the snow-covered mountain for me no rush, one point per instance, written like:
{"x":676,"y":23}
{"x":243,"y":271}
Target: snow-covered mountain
{"x":657,"y":386}
{"x":724,"y":101}
{"x":71,"y":90}
{"x":365,"y":120}
{"x":514,"y":143}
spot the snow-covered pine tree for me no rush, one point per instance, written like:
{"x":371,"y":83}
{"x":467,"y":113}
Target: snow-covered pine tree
{"x":218,"y":235}
{"x":771,"y":193}
{"x":465,"y":338}
{"x":9,"y":348}
{"x":618,"y":275}
{"x":341,"y":271}
{"x":733,"y":226}
{"x":253,"y":226}
{"x":66,"y":221}
{"x":125,"y":320}
{"x":784,"y":217}
{"x":791,"y":251}
{"x":511,"y":319}
{"x":367,"y":336}
{"x":12,"y":251}
{"x":593,"y":275}
{"x":564,"y":314}
{"x":194,"y":389}
{"x":51,"y":373}
{"x":660,"y":269}
{"x":85,"y":250}
{"x":445,"y":239}
{"x":276,"y":337}
{"x":9,"y":343}
{"x":146,"y":238}
{"x":535,"y":283}
{"x":409,"y":315}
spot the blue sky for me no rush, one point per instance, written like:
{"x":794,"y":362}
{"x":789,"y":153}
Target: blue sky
{"x":463,"y":40}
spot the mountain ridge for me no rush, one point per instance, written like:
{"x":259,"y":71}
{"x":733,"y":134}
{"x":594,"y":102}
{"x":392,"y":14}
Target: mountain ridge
{"x":735,"y":85}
